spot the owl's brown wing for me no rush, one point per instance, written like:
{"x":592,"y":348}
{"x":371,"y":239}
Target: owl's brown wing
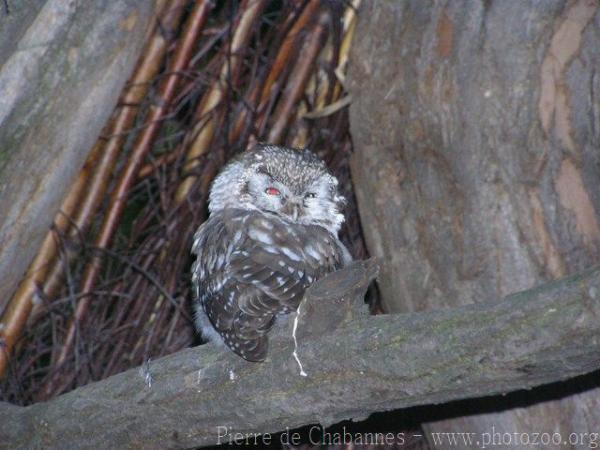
{"x":252,"y":266}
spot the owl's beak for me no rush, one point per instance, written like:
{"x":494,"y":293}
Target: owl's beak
{"x":293,"y":209}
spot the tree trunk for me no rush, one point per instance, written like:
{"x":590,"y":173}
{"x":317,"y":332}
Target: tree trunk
{"x":476,"y":128}
{"x":63,"y":64}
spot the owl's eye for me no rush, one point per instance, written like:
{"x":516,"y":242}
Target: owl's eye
{"x":272,"y":191}
{"x":310,"y":195}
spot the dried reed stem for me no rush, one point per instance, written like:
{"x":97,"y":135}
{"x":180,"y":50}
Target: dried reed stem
{"x":88,"y":190}
{"x":289,"y":49}
{"x":298,"y":78}
{"x":142,"y":146}
{"x":320,"y":81}
{"x":205,"y":127}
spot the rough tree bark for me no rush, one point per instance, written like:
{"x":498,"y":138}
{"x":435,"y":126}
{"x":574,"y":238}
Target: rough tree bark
{"x":361,"y":365}
{"x":62,"y":66}
{"x":476,"y":127}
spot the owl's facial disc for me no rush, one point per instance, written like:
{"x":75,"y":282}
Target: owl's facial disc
{"x":292,"y":184}
{"x":313,"y":203}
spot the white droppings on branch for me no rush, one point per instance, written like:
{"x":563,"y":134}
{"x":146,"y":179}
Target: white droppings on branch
{"x":145,"y":373}
{"x":199,"y":376}
{"x":295,"y":353}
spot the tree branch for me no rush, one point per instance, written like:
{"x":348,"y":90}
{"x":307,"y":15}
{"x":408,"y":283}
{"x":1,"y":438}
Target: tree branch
{"x":367,"y":364}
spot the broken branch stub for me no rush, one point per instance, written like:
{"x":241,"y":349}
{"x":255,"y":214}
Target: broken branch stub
{"x":336,"y":299}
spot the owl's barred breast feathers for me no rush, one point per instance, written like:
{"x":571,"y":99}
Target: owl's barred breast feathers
{"x":272,"y":232}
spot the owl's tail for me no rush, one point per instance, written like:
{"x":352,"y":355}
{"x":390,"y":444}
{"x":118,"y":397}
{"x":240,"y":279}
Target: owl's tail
{"x":254,"y":350}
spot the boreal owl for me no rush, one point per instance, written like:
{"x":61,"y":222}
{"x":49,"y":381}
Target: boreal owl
{"x":275,"y":213}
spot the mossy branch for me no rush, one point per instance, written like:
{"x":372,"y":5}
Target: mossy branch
{"x":366,"y":364}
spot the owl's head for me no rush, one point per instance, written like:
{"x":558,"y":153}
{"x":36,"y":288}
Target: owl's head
{"x":293,"y":184}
